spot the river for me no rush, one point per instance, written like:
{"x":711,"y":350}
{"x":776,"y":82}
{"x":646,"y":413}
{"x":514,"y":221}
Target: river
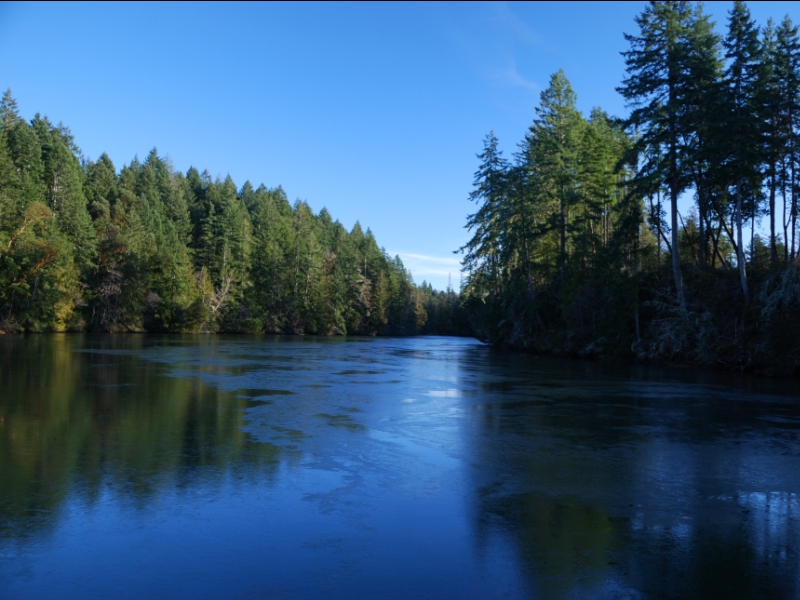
{"x":137,"y":466}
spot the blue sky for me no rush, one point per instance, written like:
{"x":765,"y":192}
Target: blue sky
{"x":374,"y":111}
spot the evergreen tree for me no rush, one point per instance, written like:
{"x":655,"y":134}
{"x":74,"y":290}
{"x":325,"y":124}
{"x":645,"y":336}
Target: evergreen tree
{"x":787,"y":78}
{"x":744,"y":78}
{"x":149,"y":249}
{"x":657,"y":87}
{"x":552,"y":148}
{"x":63,"y":180}
{"x":774,"y":141}
{"x":271,"y":223}
{"x":703,"y":125}
{"x":481,"y":259}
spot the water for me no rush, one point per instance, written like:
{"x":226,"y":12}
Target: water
{"x":249,"y":467}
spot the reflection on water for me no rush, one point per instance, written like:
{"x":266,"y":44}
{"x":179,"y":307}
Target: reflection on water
{"x":194,"y":466}
{"x":78,"y":418}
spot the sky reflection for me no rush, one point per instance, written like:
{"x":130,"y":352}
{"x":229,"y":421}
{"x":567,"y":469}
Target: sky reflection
{"x":203,"y":466}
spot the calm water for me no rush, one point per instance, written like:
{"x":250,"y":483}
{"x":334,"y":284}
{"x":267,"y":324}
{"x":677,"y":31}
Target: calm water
{"x":248,"y":467}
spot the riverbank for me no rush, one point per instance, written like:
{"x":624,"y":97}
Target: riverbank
{"x":641,"y":321}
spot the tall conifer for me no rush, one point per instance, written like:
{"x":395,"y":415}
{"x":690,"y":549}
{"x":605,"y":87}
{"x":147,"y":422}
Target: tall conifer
{"x":657,"y":86}
{"x":787,"y":73}
{"x":744,"y":78}
{"x":482,"y":250}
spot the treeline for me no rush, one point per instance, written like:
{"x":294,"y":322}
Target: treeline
{"x":578,"y":246}
{"x":445,"y":313}
{"x":84,"y":246}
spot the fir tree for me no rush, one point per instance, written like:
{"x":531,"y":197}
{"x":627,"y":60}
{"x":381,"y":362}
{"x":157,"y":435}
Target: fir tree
{"x":787,"y":77}
{"x":744,"y":78}
{"x":657,"y":86}
{"x":481,"y":251}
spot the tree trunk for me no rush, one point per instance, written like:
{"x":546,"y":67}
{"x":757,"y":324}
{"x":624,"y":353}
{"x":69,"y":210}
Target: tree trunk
{"x":673,"y":193}
{"x":740,"y":247}
{"x":715,"y":242}
{"x":723,"y":223}
{"x":525,"y":245}
{"x":673,"y":188}
{"x":676,"y":261}
{"x":563,"y":233}
{"x":701,"y":212}
{"x":701,"y":250}
{"x":792,"y":187}
{"x":658,"y":228}
{"x":773,"y":249}
{"x":785,"y":217}
{"x":689,"y":240}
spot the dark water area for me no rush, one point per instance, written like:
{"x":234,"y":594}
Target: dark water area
{"x":250,"y":467}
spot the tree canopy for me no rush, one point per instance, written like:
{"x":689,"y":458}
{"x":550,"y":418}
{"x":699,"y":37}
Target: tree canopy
{"x":579,"y":246}
{"x":87,"y":246}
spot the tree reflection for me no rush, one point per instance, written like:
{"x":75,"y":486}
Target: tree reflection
{"x":82,"y":414}
{"x":605,"y":485}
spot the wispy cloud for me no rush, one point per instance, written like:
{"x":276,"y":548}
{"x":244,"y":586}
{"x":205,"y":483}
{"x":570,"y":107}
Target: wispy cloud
{"x":429,"y":259}
{"x":512,"y":26}
{"x":493,"y":43}
{"x":435,"y":269}
{"x":510,"y":75}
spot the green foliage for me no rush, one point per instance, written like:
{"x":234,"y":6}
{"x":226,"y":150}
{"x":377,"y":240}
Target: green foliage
{"x":572,"y":252}
{"x":560,"y":224}
{"x":83,"y":246}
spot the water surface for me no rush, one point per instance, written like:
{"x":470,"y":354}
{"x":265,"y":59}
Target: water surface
{"x":250,"y":467}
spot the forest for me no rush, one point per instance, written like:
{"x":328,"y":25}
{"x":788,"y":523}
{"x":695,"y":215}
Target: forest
{"x":579,"y":245}
{"x":87,"y":247}
{"x":669,"y":235}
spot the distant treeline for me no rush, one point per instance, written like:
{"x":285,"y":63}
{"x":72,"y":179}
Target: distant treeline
{"x":578,"y":247}
{"x":85,"y":247}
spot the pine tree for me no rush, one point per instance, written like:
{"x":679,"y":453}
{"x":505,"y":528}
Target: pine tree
{"x":657,"y":86}
{"x":551,"y":149}
{"x":481,"y":258}
{"x":9,"y":111}
{"x":787,"y":76}
{"x":26,"y":152}
{"x":271,"y":216}
{"x":744,"y":79}
{"x":63,"y":180}
{"x":703,"y":126}
{"x":770,"y":109}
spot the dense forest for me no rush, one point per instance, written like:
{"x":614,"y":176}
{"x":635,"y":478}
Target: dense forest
{"x":668,"y":235}
{"x":85,"y":247}
{"x":578,"y":246}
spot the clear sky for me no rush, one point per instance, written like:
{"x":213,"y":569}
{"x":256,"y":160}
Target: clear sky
{"x":374,"y":111}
